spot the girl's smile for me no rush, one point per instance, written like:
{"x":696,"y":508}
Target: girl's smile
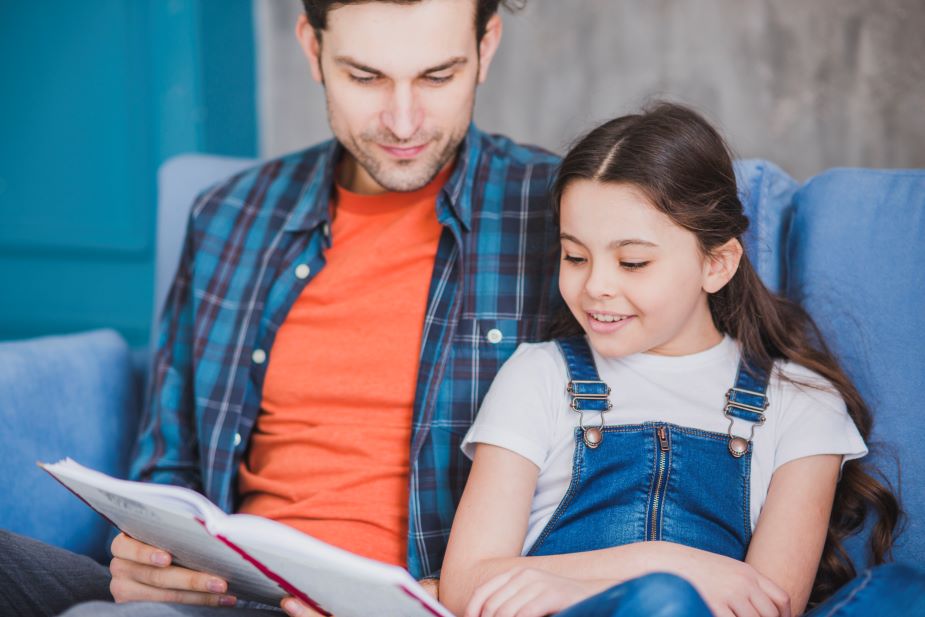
{"x":635,"y":280}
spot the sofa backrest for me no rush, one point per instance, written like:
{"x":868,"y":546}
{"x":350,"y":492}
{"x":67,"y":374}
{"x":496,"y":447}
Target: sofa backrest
{"x":855,"y":259}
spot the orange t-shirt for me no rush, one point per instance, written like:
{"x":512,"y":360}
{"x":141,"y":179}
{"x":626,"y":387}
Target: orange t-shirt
{"x":330,"y":452}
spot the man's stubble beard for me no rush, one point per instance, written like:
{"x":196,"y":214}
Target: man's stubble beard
{"x":388,"y":178}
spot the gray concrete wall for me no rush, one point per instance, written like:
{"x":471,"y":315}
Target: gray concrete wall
{"x":809,"y":84}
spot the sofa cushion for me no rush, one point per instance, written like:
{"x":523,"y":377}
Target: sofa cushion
{"x":766,"y":193}
{"x":856,"y":261}
{"x":63,"y":396}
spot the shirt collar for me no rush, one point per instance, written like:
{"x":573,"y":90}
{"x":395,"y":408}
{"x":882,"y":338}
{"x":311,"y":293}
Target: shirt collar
{"x":311,"y":209}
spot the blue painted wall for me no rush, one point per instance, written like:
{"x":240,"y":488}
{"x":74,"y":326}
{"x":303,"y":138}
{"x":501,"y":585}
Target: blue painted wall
{"x":93,"y":97}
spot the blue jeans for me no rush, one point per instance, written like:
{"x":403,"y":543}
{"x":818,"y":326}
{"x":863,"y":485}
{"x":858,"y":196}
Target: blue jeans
{"x":887,"y":590}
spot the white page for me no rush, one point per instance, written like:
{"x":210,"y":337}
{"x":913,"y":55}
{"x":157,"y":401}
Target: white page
{"x":261,"y":559}
{"x":141,"y":511}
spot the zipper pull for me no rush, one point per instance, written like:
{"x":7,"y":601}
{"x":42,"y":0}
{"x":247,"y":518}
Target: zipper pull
{"x":663,"y":439}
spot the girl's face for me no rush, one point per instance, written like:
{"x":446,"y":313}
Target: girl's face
{"x":635,"y":280}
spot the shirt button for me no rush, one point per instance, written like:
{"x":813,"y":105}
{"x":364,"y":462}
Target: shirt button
{"x":259,"y":356}
{"x":326,"y":229}
{"x":237,"y":439}
{"x":302,"y":271}
{"x":494,"y":336}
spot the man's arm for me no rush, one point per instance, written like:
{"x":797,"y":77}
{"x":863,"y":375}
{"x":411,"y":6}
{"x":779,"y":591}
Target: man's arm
{"x":166,"y":453}
{"x":166,"y":447}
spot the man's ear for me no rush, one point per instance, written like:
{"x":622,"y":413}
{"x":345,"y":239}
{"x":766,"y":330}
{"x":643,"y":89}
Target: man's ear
{"x":721,"y":265}
{"x":489,"y":45}
{"x":310,"y":45}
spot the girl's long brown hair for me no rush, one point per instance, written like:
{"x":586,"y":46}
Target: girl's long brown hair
{"x":684,"y":167}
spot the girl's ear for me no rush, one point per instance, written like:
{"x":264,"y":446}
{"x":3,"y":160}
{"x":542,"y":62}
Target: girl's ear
{"x":721,"y":265}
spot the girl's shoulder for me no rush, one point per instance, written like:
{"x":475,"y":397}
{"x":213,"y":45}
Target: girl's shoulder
{"x":543,"y":357}
{"x":800,"y":386}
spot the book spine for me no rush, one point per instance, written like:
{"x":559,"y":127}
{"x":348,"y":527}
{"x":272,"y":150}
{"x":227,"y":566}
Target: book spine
{"x":273,"y":576}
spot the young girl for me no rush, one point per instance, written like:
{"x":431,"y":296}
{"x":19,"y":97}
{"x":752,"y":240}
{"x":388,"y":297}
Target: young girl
{"x":684,"y":421}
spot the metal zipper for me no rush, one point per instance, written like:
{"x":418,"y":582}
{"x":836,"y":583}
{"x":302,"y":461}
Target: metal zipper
{"x":663,"y":447}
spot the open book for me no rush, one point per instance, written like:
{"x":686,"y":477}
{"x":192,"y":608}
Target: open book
{"x":261,"y":559}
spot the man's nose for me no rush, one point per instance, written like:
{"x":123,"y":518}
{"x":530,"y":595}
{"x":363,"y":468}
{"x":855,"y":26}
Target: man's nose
{"x":403,"y":114}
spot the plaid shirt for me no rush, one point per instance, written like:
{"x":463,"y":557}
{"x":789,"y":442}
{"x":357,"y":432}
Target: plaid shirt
{"x":254,"y":241}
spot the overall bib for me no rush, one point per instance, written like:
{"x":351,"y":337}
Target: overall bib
{"x":656,"y":480}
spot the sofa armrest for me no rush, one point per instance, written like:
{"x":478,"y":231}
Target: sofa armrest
{"x":63,"y":396}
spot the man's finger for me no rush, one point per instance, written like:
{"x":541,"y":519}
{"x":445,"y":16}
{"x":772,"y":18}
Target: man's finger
{"x":127,"y":590}
{"x":125,"y":547}
{"x":173,"y":577}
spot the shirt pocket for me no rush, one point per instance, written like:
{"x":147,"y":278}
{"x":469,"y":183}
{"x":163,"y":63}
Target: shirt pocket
{"x":479,"y":347}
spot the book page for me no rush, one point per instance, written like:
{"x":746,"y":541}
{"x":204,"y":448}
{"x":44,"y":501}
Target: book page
{"x":334,"y":580}
{"x":175,"y":524}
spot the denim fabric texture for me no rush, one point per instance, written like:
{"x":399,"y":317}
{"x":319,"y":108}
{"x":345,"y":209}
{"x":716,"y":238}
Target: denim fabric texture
{"x":652,"y":481}
{"x":653,"y":595}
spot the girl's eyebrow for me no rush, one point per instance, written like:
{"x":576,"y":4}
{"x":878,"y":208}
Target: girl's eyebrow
{"x":615,"y":244}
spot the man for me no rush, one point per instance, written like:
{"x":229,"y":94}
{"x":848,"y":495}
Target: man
{"x":339,"y":313}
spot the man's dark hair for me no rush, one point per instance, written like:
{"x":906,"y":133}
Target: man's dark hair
{"x":317,"y":11}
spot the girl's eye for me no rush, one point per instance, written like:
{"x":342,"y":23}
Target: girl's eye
{"x":573,"y":259}
{"x":633,"y":265}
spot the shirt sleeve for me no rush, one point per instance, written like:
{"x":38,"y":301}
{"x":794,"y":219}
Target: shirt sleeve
{"x":814,"y":420}
{"x":166,"y":448}
{"x":519,"y":411}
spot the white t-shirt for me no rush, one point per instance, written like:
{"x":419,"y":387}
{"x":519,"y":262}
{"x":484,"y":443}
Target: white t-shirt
{"x":527,"y":411}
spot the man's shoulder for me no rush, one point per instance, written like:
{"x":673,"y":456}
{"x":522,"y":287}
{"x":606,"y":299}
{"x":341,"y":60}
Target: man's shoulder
{"x":270,"y":188}
{"x":515,"y":153}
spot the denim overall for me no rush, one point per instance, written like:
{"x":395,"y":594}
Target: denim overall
{"x":654,"y":481}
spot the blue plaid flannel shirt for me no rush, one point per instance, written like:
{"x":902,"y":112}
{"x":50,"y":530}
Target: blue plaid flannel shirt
{"x":248,"y":243}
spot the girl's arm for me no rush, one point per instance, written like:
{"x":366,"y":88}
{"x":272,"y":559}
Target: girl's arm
{"x":791,"y":530}
{"x":483,"y":563}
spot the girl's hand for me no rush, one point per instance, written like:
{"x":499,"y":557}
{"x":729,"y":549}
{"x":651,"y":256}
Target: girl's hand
{"x":528,"y":592}
{"x":731,"y":588}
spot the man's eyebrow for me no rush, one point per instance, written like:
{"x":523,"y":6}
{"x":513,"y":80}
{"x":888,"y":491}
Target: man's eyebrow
{"x":357,"y":65}
{"x":615,"y":244}
{"x":443,"y":66}
{"x":452,"y":62}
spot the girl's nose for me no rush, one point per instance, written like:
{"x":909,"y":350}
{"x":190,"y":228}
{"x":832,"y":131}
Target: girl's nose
{"x":601,"y":283}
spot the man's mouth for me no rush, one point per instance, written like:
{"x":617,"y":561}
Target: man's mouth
{"x":404,"y":152}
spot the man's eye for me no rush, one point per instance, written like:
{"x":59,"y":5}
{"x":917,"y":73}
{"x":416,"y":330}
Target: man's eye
{"x":574,"y":259}
{"x":362,"y":79}
{"x":438,"y":79}
{"x":633,"y":265}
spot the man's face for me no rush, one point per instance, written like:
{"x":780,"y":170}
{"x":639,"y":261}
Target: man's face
{"x":400,"y":83}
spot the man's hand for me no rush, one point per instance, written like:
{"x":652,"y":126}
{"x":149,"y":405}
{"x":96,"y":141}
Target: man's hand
{"x":294,"y":608}
{"x":143,"y":573}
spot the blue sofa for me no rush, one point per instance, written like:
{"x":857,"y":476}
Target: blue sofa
{"x":848,"y":244}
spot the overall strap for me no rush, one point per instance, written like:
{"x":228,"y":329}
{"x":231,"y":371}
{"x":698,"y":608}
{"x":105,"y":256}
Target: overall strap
{"x":585,"y":387}
{"x":747,"y":400}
